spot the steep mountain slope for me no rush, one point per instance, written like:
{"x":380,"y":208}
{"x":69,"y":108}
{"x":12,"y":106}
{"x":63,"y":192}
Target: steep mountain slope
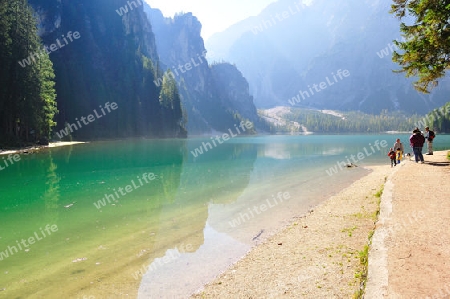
{"x":294,"y":52}
{"x":233,"y":90}
{"x":113,"y":60}
{"x":215,"y":97}
{"x":116,"y":58}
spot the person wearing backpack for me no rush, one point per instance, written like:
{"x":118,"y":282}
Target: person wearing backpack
{"x":416,"y":141}
{"x":429,"y":137}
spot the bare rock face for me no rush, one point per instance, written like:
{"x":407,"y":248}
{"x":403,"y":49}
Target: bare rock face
{"x":215,"y":96}
{"x":122,"y":56}
{"x":114,"y":59}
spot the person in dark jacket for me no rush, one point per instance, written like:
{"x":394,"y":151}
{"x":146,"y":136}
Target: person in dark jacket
{"x":416,"y":141}
{"x":393,"y":156}
{"x":429,"y":138}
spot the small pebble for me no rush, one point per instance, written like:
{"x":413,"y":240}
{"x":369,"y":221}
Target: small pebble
{"x":79,"y":260}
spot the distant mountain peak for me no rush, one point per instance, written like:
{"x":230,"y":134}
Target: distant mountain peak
{"x":292,"y":45}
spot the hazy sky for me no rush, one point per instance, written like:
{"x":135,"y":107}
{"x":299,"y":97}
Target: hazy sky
{"x":215,"y":15}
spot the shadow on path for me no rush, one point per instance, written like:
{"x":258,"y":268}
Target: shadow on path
{"x":438,"y":163}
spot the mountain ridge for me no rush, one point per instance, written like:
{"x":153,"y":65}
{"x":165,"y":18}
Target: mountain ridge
{"x":304,"y":48}
{"x":214,"y":96}
{"x":119,"y":59}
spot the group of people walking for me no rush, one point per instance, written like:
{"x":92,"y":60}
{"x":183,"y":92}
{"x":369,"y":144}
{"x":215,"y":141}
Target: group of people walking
{"x":416,"y":141}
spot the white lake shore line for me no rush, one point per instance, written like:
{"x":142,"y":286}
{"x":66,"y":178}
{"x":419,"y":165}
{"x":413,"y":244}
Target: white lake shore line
{"x":34,"y":148}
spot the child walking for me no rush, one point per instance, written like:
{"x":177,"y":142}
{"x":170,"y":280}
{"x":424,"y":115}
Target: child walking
{"x":399,"y":155}
{"x":392,"y":154}
{"x":398,"y":146}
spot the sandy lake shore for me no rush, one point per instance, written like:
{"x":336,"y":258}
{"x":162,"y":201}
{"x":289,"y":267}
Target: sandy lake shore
{"x":320,"y":255}
{"x":317,"y":256}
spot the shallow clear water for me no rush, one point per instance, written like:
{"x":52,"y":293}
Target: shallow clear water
{"x":166,"y":235}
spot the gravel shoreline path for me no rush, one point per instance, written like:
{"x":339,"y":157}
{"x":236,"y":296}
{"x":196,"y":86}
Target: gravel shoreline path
{"x":410,"y":256}
{"x":318,"y":255}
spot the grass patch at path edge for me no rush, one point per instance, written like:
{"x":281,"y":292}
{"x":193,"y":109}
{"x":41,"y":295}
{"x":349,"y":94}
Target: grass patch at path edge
{"x":364,"y":254}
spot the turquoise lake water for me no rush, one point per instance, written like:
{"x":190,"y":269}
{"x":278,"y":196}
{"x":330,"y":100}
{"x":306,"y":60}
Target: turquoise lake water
{"x":173,"y":220}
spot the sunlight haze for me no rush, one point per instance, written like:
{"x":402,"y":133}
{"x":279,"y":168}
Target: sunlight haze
{"x":215,"y":16}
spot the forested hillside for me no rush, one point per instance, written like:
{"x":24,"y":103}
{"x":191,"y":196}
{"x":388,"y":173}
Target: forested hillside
{"x":295,"y":120}
{"x":27,"y":94}
{"x":103,"y":71}
{"x":115,"y":60}
{"x":439,"y":119}
{"x":93,"y":69}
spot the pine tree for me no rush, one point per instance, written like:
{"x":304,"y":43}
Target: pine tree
{"x":26,"y":78}
{"x":170,"y":102}
{"x":426,"y":47}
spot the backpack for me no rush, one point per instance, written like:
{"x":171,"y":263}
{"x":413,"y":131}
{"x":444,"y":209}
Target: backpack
{"x":431,"y":135}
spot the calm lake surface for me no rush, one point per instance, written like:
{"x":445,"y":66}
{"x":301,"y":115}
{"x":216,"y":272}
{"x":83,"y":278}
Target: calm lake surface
{"x":173,"y":221}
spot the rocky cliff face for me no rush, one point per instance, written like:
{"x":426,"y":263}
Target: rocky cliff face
{"x":122,"y":56}
{"x":294,"y":52}
{"x":233,"y":90}
{"x":215,"y":97}
{"x":114,"y":59}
